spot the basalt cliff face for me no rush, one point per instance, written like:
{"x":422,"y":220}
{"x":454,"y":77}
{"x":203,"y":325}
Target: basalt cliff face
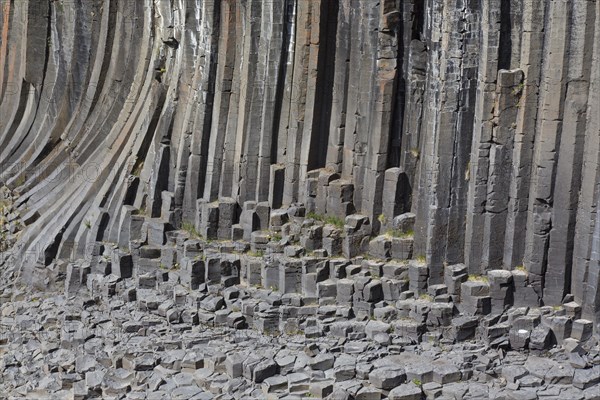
{"x":394,"y":173}
{"x":481,"y":118}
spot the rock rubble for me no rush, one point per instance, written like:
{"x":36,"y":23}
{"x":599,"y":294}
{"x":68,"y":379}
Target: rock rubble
{"x":224,"y":321}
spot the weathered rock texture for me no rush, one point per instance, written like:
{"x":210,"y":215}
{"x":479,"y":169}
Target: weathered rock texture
{"x":480,"y":117}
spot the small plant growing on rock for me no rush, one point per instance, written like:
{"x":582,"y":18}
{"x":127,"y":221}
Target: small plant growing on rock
{"x":329,"y":220}
{"x":276,"y":236}
{"x":421,"y":259}
{"x":257,"y":253}
{"x":521,"y":268}
{"x":425,"y":297}
{"x":20,"y":180}
{"x":478,"y":278}
{"x":382,"y":219}
{"x":399,"y":234}
{"x":518,"y":89}
{"x":314,"y":215}
{"x":191,"y":229}
{"x":137,"y":169}
{"x":417,"y":382}
{"x":468,"y":171}
{"x":335,"y":221}
{"x":87,"y":224}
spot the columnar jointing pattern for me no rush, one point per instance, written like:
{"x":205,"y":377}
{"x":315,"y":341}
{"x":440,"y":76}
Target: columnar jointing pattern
{"x":482,"y":118}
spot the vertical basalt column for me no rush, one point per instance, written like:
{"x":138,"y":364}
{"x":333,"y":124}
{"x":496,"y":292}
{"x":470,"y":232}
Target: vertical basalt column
{"x":273,"y":35}
{"x":557,"y":279}
{"x":586,"y":269}
{"x":531,"y":54}
{"x":549,"y":128}
{"x":413,"y":112}
{"x":199,"y":147}
{"x":236,"y":15}
{"x":448,"y":137}
{"x":467,"y":14}
{"x":285,"y":93}
{"x":321,"y":95}
{"x":367,"y":130}
{"x":406,"y":21}
{"x":298,"y":97}
{"x":478,"y":174}
{"x":256,"y":50}
{"x":422,"y":196}
{"x":307,"y":137}
{"x":354,"y":12}
{"x":339,"y":99}
{"x":508,"y":87}
{"x":382,"y":112}
{"x":217,"y":182}
{"x":360,"y":125}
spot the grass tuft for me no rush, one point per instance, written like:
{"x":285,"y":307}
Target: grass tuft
{"x":421,"y":259}
{"x":426,"y":297}
{"x":399,"y":234}
{"x":327,"y":219}
{"x":478,"y":278}
{"x":191,"y":229}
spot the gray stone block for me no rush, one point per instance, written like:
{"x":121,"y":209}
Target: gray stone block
{"x":121,"y":264}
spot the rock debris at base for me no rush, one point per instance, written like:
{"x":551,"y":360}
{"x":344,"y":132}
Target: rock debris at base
{"x":210,"y":326}
{"x":57,"y":347}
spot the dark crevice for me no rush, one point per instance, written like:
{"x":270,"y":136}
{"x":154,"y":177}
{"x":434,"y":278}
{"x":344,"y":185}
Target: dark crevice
{"x":143,"y":151}
{"x":324,"y":86}
{"x":505,"y":48}
{"x":418,"y":19}
{"x":281,"y":76}
{"x":51,"y":251}
{"x":398,"y":105}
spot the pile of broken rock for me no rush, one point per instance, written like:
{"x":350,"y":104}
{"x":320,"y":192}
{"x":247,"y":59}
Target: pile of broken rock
{"x":287,"y":314}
